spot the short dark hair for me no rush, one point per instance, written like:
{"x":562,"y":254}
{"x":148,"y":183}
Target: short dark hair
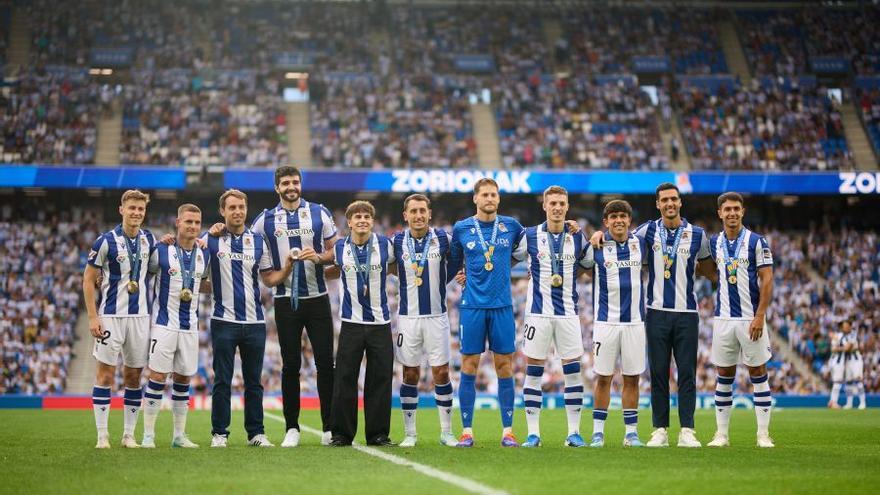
{"x":284,"y":171}
{"x":665,"y":186}
{"x":416,"y":197}
{"x":360,"y":207}
{"x":730,"y":196}
{"x":617,"y":206}
{"x":485,"y":181}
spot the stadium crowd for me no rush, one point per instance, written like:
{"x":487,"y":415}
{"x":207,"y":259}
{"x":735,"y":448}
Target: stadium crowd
{"x":763,"y":128}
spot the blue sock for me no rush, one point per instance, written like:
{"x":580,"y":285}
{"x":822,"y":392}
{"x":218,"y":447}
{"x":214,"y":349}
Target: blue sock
{"x":467,"y":395}
{"x":505,"y":400}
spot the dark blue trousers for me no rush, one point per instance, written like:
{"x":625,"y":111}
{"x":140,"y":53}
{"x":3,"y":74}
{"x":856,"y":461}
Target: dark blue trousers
{"x":671,"y":334}
{"x":250,"y":339}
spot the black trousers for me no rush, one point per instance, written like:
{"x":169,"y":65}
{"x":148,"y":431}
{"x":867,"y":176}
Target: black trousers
{"x":314,"y":314}
{"x":250,"y":339}
{"x":672,"y":334}
{"x":355,"y":341}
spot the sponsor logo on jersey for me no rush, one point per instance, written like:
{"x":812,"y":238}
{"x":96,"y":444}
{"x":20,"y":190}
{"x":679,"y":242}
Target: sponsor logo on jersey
{"x":279,"y":232}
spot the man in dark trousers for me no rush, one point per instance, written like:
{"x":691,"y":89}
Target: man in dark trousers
{"x":306,"y":231}
{"x":363,"y":260}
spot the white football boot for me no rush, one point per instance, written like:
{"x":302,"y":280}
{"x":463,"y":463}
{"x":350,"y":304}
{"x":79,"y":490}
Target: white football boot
{"x":719,"y":440}
{"x":128,"y":442}
{"x":409,"y":441}
{"x":764,"y":441}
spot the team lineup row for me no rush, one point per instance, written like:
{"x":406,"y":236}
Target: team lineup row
{"x":149,"y":291}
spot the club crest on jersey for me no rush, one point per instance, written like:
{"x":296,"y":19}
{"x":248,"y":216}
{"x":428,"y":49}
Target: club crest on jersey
{"x":634,"y":245}
{"x":684,"y":235}
{"x":542,"y":255}
{"x":502,"y":227}
{"x":221,"y":255}
{"x":471,"y":245}
{"x":173,"y":271}
{"x":121,"y":258}
{"x":608,"y":264}
{"x":247,"y":241}
{"x":657,"y":247}
{"x":304,"y":214}
{"x":279,"y":233}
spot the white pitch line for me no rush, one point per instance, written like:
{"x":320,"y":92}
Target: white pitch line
{"x":453,"y":479}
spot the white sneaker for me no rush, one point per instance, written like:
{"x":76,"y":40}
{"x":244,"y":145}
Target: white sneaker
{"x":128,"y":442}
{"x":219,"y":440}
{"x":660,"y":438}
{"x":183,"y":442}
{"x":688,"y":438}
{"x":764,"y":441}
{"x":149,"y":442}
{"x":862,"y":406}
{"x":260,"y":441}
{"x":291,"y":438}
{"x":847,"y":406}
{"x":448,"y":439}
{"x":719,"y":440}
{"x":408,"y":441}
{"x":326,"y":438}
{"x":103,"y":442}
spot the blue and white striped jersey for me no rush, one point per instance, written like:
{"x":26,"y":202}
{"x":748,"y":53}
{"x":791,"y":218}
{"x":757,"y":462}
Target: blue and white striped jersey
{"x":308,"y":226}
{"x":840,"y":339}
{"x":675,"y":293}
{"x":542,"y":298}
{"x":429,"y":298}
{"x":168,"y":310}
{"x":740,"y":300}
{"x":110,"y":255}
{"x":357,"y":307}
{"x":236,"y":261}
{"x":618,"y":296}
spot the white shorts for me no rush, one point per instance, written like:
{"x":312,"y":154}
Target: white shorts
{"x":172,"y":350}
{"x":539,"y":332}
{"x":129,"y":335}
{"x":624,"y":340}
{"x":847,"y":370}
{"x":730,"y":340}
{"x":417,"y":336}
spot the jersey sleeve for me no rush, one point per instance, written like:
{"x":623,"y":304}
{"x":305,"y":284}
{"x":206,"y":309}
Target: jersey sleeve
{"x":153,"y":266}
{"x":643,"y":245}
{"x":642,"y":230}
{"x":389,"y":248}
{"x":265,"y":261}
{"x":259,"y":225}
{"x":519,"y":230}
{"x":587,"y":259}
{"x":337,"y":252}
{"x":207,"y":254}
{"x":520,"y":251}
{"x":98,"y":254}
{"x":763,"y":255}
{"x":456,"y":253}
{"x":151,"y":240}
{"x":704,"y":251}
{"x":329,"y":229}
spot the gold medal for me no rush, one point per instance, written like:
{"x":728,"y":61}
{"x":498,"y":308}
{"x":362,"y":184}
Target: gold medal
{"x":556,"y":280}
{"x":667,"y":274}
{"x":132,"y":287}
{"x":488,"y":266}
{"x":186,"y":295}
{"x":667,"y":262}
{"x":419,"y":282}
{"x":732,"y":280}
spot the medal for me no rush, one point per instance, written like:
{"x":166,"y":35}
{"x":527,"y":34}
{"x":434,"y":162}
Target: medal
{"x":418,"y":265}
{"x":731,"y":261}
{"x":667,"y":274}
{"x":187,"y":269}
{"x":134,"y":261}
{"x":556,"y":280}
{"x":488,"y":249}
{"x":555,"y":262}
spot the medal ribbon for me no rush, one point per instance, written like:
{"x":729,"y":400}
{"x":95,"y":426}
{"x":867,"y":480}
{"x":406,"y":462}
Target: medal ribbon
{"x":419,"y":266}
{"x":488,"y":250}
{"x":361,"y":268}
{"x":554,"y":257}
{"x":670,"y":251}
{"x":134,"y":257}
{"x":187,"y":270}
{"x":731,"y":262}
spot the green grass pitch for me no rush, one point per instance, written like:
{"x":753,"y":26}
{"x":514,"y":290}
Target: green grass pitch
{"x":817,"y":451}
